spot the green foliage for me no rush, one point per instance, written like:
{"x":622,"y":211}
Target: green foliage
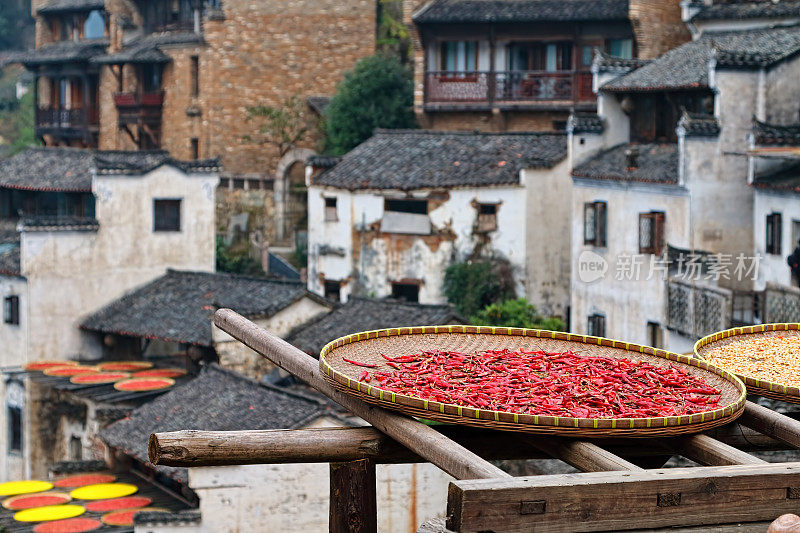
{"x":282,"y":127}
{"x":393,"y":36}
{"x":473,"y":285}
{"x":377,"y":93}
{"x":16,"y":125}
{"x":518,"y":313}
{"x":15,"y":23}
{"x":300,"y":254}
{"x":236,"y":262}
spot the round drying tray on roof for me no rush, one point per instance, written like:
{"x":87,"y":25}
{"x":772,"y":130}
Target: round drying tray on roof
{"x":368,"y":347}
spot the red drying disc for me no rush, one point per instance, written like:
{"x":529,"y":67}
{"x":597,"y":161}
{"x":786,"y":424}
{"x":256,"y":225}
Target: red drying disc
{"x":99,"y":377}
{"x":44,"y":365}
{"x":125,"y":517}
{"x":115,"y":504}
{"x":81,"y":480}
{"x":70,"y":525}
{"x":125,"y":366}
{"x":143,"y":384}
{"x":29,"y":501}
{"x":160,"y":373}
{"x":68,"y":371}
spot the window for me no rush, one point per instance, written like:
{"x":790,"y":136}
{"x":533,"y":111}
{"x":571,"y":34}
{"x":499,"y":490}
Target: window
{"x":14,"y":428}
{"x":621,"y":48}
{"x":418,"y":207}
{"x":774,"y":227}
{"x":597,"y":325}
{"x":151,"y":77}
{"x":195,"y":148}
{"x":95,"y":26}
{"x":11,"y":310}
{"x":487,"y":217}
{"x":238,"y":183}
{"x":651,"y":232}
{"x":166,"y":215}
{"x":560,"y":125}
{"x":587,"y":56}
{"x":330,"y":210}
{"x":75,"y":448}
{"x":195,"y":76}
{"x":459,"y":56}
{"x":550,"y":57}
{"x":333,"y":290}
{"x":407,"y":216}
{"x":406,"y":290}
{"x":654,"y":335}
{"x":594,"y":223}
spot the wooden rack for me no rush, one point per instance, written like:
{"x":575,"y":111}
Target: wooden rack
{"x":621,"y":485}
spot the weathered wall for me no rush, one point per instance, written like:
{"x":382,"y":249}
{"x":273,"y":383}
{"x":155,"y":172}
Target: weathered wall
{"x":780,"y":94}
{"x":658,"y":26}
{"x":773,"y":268}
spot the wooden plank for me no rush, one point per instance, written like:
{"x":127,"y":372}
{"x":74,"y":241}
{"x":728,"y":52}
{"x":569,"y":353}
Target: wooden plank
{"x":437,"y":525}
{"x":583,"y":455}
{"x":601,"y":501}
{"x":709,"y":451}
{"x":448,"y":455}
{"x":770,"y":423}
{"x":353,"y":501}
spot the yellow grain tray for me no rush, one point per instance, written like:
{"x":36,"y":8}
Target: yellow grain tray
{"x":368,"y":346}
{"x":755,"y":384}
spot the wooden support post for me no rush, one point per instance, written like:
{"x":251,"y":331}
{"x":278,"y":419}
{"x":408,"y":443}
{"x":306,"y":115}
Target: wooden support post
{"x":771,"y":423}
{"x":451,"y":457}
{"x":582,"y":455}
{"x":353,"y":505}
{"x":709,"y":451}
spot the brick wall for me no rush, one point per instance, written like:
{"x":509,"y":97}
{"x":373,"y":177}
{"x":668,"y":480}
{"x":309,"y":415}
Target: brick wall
{"x":658,"y":26}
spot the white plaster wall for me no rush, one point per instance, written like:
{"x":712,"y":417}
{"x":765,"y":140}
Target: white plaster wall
{"x":583,"y":146}
{"x":782,"y":102}
{"x":773,"y":268}
{"x":13,"y":339}
{"x":617,"y":123}
{"x":71,"y":274}
{"x":627,"y":304}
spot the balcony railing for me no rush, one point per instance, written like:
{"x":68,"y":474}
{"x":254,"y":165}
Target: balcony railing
{"x":139,"y":107}
{"x":510,"y":86}
{"x":69,"y":122}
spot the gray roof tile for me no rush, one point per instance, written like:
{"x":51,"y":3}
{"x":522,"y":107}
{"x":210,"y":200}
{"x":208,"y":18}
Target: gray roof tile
{"x":749,"y":10}
{"x":9,"y":259}
{"x":416,"y":159}
{"x":66,"y":6}
{"x":147,"y":49}
{"x":697,"y":125}
{"x":59,"y":223}
{"x":785,"y":178}
{"x":180,"y":305}
{"x":585,"y":123}
{"x":775,"y":134}
{"x":454,"y":11}
{"x":658,"y":163}
{"x":62,"y":52}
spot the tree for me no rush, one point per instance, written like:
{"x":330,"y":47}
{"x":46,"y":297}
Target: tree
{"x":16,"y":25}
{"x":283,"y":127}
{"x":16,"y":125}
{"x":472,"y":285}
{"x":377,"y":93}
{"x":236,"y":261}
{"x":517,"y":313}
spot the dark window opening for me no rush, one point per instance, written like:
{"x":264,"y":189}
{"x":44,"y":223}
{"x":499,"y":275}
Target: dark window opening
{"x":654,"y":117}
{"x":774,"y":233}
{"x":654,"y":335}
{"x":75,"y":448}
{"x":195,"y":148}
{"x":405,"y":291}
{"x":597,"y":325}
{"x":333,"y":290}
{"x":11,"y":310}
{"x":560,"y":125}
{"x":330,"y":210}
{"x":151,"y":77}
{"x":14,"y":203}
{"x":651,"y":232}
{"x":238,"y":183}
{"x":417,"y":207}
{"x":166,"y":215}
{"x":487,"y":217}
{"x":195,"y":76}
{"x":594,"y":223}
{"x":14,"y":429}
{"x":537,"y":56}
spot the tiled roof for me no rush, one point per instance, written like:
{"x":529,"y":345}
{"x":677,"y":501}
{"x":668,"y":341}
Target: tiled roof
{"x":323,"y":161}
{"x":278,"y":266}
{"x":776,"y":135}
{"x":686,"y":66}
{"x":786,"y":178}
{"x":319,"y":103}
{"x":216,"y":400}
{"x":733,"y":10}
{"x":415,"y":159}
{"x":48,"y":169}
{"x":62,"y":52}
{"x":454,"y":11}
{"x":147,"y":49}
{"x":696,"y":125}
{"x":9,"y":259}
{"x":657,"y":163}
{"x":141,"y":162}
{"x":363,"y":314}
{"x":585,"y":123}
{"x":59,"y":223}
{"x":179,"y":306}
{"x":605,"y":61}
{"x":65,"y":6}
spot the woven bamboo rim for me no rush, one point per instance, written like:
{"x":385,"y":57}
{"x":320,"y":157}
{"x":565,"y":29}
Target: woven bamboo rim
{"x":759,"y":387}
{"x":367,"y":347}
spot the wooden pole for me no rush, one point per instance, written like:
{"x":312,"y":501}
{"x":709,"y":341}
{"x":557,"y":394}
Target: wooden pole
{"x":451,"y":457}
{"x":709,"y":451}
{"x":770,"y":423}
{"x":353,"y":504}
{"x":582,"y":455}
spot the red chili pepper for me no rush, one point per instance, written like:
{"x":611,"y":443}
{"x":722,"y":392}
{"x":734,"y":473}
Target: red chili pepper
{"x":364,"y":376}
{"x":368,"y":365}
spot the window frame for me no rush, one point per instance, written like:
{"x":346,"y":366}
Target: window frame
{"x":16,"y":439}
{"x":11,"y":310}
{"x":774,"y":234}
{"x":486,"y":222}
{"x":163,"y":227}
{"x":656,"y":237}
{"x":655,"y":334}
{"x":194,"y":75}
{"x":331,"y":211}
{"x":599,"y":210}
{"x":595,"y":322}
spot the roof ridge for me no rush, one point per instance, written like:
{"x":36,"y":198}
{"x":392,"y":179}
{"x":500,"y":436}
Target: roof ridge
{"x":233,"y":276}
{"x":385,"y":131}
{"x":233,"y":373}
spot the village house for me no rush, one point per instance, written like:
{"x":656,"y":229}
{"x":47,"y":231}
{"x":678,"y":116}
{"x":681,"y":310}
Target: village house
{"x":661,"y":175}
{"x":524,"y":65}
{"x":396,"y":211}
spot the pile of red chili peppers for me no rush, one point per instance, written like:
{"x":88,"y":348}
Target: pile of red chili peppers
{"x":550,"y":384}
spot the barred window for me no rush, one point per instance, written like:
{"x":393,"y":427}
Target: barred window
{"x":594,"y":223}
{"x":651,"y":232}
{"x":774,"y":227}
{"x":597,"y":325}
{"x":11,"y":310}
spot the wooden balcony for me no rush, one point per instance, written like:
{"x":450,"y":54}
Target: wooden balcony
{"x":509,"y":88}
{"x":138,"y":108}
{"x":67,"y":123}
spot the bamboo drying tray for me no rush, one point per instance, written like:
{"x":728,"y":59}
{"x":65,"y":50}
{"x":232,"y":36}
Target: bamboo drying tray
{"x":367,"y":347}
{"x":760,"y":387}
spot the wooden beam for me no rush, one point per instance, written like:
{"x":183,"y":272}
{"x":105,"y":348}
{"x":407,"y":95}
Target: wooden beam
{"x":709,"y":451}
{"x":448,"y":455}
{"x":610,"y":501}
{"x":583,"y":455}
{"x":353,"y":501}
{"x":770,"y":423}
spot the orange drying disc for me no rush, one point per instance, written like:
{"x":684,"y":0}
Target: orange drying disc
{"x":125,"y":516}
{"x":69,"y":370}
{"x":160,"y":373}
{"x":118,"y":504}
{"x":125,"y":366}
{"x":12,"y":488}
{"x":70,"y":525}
{"x":143,"y":384}
{"x":39,"y":499}
{"x":44,"y":365}
{"x":49,"y":512}
{"x":81,"y":480}
{"x":104,"y":491}
{"x":99,"y":378}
